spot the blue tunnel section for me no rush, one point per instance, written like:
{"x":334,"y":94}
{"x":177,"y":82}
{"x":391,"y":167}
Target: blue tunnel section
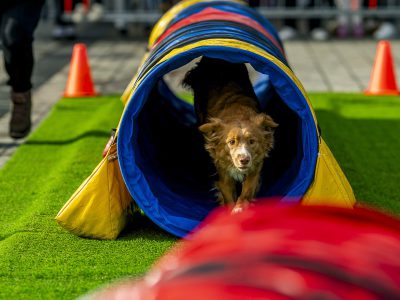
{"x":161,"y":152}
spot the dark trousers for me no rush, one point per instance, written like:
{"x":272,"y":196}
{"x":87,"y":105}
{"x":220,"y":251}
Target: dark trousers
{"x":18,"y":21}
{"x":313,"y":22}
{"x":59,"y":8}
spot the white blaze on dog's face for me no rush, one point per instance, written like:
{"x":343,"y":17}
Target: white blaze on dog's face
{"x":241,"y":144}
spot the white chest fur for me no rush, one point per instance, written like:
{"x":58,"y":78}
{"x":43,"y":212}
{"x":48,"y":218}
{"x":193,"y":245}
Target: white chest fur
{"x":237,"y":174}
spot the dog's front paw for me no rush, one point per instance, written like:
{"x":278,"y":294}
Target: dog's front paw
{"x":220,"y":198}
{"x":237,"y":210}
{"x":239,"y":207}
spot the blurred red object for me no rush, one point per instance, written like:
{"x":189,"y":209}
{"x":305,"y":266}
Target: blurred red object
{"x":68,"y":5}
{"x":278,"y":252}
{"x":372,"y":4}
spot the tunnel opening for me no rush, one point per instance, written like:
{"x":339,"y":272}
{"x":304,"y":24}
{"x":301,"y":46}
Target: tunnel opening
{"x":162,"y":155}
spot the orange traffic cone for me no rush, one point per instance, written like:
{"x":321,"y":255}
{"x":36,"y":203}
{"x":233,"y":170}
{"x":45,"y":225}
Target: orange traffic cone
{"x":383,"y":77}
{"x":79,"y":83}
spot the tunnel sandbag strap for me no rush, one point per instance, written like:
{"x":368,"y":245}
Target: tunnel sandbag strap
{"x":166,"y":19}
{"x":99,"y":207}
{"x":111,"y":140}
{"x":330,"y":186}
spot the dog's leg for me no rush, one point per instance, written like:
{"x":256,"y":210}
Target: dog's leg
{"x":227,"y":191}
{"x":249,"y":189}
{"x":220,"y":199}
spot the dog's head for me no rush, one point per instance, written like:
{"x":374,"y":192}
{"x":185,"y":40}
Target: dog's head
{"x":242,"y":144}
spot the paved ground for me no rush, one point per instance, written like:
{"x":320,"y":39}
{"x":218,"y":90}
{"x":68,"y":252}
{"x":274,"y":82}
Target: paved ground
{"x":339,"y":66}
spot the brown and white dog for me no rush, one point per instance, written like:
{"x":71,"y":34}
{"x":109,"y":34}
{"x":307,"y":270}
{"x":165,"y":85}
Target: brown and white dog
{"x":237,"y":136}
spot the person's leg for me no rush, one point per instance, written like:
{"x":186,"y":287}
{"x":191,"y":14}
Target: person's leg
{"x":343,"y":20}
{"x":289,"y":29}
{"x":63,"y":29}
{"x":18,"y":24}
{"x":317,"y":31}
{"x":254,"y":3}
{"x":291,"y":22}
{"x":79,"y":12}
{"x":96,"y":11}
{"x":387,"y":29}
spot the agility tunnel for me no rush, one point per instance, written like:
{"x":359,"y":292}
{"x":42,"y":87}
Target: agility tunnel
{"x":244,"y":264}
{"x":161,"y":154}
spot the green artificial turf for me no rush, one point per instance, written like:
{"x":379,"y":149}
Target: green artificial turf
{"x":40,"y":260}
{"x":363,"y":134}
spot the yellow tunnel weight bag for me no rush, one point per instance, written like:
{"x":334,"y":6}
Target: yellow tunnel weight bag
{"x":98,"y":208}
{"x":178,"y":196}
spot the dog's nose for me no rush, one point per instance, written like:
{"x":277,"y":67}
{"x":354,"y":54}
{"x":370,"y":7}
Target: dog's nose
{"x":244,"y":160}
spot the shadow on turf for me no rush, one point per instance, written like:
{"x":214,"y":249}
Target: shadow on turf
{"x":141,"y":226}
{"x":9,"y":145}
{"x":92,"y":133}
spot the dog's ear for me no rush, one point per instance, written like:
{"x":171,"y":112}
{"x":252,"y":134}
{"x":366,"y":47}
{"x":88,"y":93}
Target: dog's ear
{"x":265,"y":121}
{"x":192,"y":77}
{"x":212,"y":135}
{"x":211,"y":127}
{"x":268,"y":126}
{"x":188,"y":81}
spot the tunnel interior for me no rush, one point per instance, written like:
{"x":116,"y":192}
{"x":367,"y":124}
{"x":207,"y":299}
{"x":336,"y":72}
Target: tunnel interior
{"x":168,"y":171}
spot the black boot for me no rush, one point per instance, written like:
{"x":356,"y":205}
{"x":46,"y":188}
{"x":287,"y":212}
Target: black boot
{"x":20,"y":123}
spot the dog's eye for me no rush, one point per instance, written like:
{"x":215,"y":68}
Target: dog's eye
{"x":251,"y":141}
{"x":231,"y":142}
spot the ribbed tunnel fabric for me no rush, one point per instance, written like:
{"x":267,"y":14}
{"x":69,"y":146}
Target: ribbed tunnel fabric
{"x":161,"y":152}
